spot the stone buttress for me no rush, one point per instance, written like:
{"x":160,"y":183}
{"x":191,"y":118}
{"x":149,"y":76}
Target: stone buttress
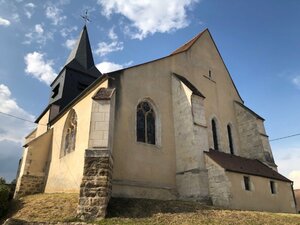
{"x":95,"y":188}
{"x":190,"y":140}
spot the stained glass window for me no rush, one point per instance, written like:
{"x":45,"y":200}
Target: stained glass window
{"x":145,"y":123}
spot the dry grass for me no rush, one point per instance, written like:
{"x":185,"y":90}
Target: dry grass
{"x":137,"y":211}
{"x":45,"y":207}
{"x":62,"y":207}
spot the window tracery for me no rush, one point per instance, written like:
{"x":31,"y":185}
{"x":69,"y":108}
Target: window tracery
{"x":145,"y":123}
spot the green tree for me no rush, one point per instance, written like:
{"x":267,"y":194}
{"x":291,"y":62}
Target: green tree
{"x":4,"y":196}
{"x":2,"y":180}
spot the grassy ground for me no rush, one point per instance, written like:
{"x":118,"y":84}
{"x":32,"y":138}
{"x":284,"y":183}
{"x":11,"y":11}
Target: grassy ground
{"x":62,"y":207}
{"x":44,"y":207}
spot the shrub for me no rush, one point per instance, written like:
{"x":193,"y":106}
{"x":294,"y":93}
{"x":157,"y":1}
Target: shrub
{"x":12,"y":188}
{"x":4,"y":195}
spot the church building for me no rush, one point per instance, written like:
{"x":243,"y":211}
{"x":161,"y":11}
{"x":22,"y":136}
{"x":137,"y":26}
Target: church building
{"x":174,"y":128}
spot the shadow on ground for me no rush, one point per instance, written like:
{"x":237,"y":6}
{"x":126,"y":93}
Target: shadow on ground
{"x":143,"y":208}
{"x":14,"y":206}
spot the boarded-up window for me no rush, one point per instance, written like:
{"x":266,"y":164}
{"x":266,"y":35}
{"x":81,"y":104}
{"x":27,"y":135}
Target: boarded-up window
{"x":145,"y":123}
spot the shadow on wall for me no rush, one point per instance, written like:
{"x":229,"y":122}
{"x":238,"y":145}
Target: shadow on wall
{"x":297,"y":196}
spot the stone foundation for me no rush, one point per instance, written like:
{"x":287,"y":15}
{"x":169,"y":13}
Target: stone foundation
{"x":30,"y":185}
{"x":95,"y":188}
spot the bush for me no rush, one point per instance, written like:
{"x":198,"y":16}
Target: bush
{"x":12,"y":188}
{"x":4,"y":195}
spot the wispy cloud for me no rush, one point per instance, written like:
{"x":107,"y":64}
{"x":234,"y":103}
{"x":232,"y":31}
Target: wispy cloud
{"x":149,"y":17}
{"x":9,"y":105}
{"x":55,"y":14}
{"x":65,"y":32}
{"x":38,"y":35}
{"x":15,"y":17}
{"x":39,"y":29}
{"x":296,"y":81}
{"x":12,"y":132}
{"x":105,"y":48}
{"x":29,"y":9}
{"x":70,"y":43}
{"x":112,"y":35}
{"x":40,"y":68}
{"x":106,"y":67}
{"x":4,"y":22}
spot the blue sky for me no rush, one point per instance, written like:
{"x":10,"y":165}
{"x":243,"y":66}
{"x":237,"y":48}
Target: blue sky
{"x":258,"y":40}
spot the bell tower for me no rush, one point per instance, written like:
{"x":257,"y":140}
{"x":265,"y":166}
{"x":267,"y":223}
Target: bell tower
{"x":77,"y":74}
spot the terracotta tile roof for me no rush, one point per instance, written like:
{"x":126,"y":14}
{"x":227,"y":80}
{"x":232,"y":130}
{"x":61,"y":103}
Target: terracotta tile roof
{"x":187,"y":45}
{"x":243,"y":165}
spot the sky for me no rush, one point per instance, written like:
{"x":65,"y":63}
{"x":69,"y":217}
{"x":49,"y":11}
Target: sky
{"x":258,"y":40}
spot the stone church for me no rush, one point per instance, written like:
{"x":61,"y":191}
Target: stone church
{"x":172,"y":128}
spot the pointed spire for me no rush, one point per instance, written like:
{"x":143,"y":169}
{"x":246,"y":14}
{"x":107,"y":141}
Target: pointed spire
{"x":81,"y":57}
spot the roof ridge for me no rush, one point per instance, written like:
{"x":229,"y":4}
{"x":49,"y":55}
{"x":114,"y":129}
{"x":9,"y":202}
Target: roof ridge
{"x":186,"y":46}
{"x":239,"y":164}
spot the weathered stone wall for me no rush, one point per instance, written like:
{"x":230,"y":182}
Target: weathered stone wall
{"x":254,"y":141}
{"x":190,"y":142}
{"x":29,"y":185}
{"x":95,"y":189}
{"x":219,"y":184}
{"x":249,"y":132}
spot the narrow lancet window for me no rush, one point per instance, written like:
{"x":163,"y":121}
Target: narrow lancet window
{"x":145,"y":123}
{"x":230,"y":139}
{"x":214,"y":133}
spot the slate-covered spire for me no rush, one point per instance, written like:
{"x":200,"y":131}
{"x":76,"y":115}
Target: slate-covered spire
{"x":81,"y":57}
{"x":77,"y":74}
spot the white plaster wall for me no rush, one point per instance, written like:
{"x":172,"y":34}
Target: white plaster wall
{"x":65,"y":173}
{"x":260,"y":197}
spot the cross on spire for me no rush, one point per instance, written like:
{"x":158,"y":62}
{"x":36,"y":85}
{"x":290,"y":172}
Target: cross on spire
{"x":85,"y":17}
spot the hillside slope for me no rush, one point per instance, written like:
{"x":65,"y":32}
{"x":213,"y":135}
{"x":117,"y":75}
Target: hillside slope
{"x":62,"y":207}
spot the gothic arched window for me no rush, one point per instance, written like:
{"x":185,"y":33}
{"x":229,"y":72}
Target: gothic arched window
{"x":230,"y":139}
{"x":215,"y":134}
{"x":69,"y":133}
{"x":145,"y":123}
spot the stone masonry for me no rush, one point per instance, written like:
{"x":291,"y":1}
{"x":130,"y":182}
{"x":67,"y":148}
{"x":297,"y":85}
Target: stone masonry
{"x":190,"y":142}
{"x":30,"y":185}
{"x":251,"y":143}
{"x":95,"y":188}
{"x":219,"y":185}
